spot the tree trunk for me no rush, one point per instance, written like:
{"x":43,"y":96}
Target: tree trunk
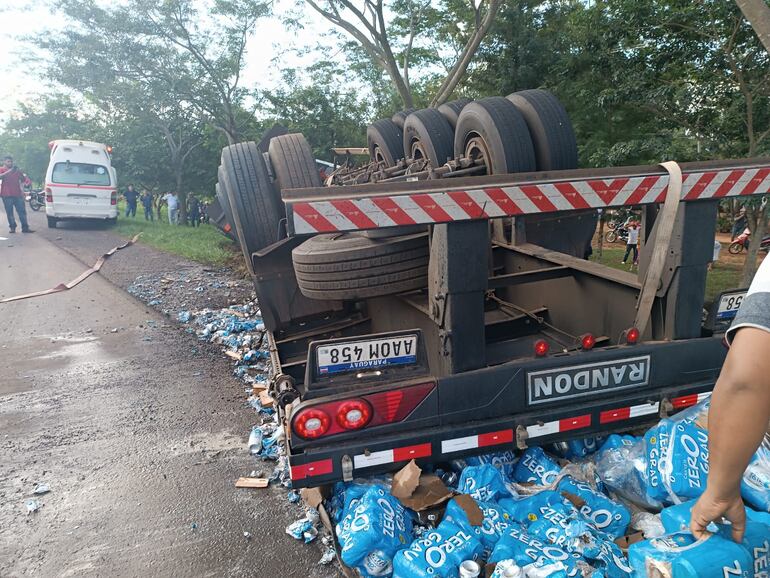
{"x":757,"y":220}
{"x":757,"y":12}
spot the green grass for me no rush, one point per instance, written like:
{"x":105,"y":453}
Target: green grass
{"x":204,"y":244}
{"x":725,"y":274}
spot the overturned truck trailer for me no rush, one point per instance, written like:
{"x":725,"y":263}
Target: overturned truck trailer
{"x":435,"y":303}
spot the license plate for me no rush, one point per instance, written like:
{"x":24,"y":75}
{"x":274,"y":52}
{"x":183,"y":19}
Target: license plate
{"x":368,"y":354}
{"x":729,"y":304}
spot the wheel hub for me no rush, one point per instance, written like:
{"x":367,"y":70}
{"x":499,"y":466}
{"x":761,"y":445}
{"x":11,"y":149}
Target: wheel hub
{"x":476,"y":149}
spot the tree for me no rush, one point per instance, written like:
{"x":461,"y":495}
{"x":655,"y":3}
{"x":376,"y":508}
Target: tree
{"x":27,"y":133}
{"x":392,"y":46}
{"x":162,"y":44}
{"x":327,"y":116}
{"x":757,"y":13}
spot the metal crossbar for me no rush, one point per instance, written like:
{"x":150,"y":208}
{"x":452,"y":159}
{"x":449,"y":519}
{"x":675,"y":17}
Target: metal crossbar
{"x":383,"y":205}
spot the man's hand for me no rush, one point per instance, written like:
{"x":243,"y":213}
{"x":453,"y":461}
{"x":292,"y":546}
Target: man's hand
{"x":712,"y":508}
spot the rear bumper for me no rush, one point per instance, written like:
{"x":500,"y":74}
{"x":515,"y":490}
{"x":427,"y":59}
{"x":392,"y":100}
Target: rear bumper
{"x":70,"y":214}
{"x":493,"y":410}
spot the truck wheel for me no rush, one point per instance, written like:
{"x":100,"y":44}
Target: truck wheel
{"x":52,"y":222}
{"x":352,"y":266}
{"x":254,"y":201}
{"x":400,"y":117}
{"x":550,"y":129}
{"x":452,"y":109}
{"x":610,"y":236}
{"x":385,"y":141}
{"x":293,"y":162}
{"x":428,"y":135}
{"x":224,"y":202}
{"x":494,"y":130}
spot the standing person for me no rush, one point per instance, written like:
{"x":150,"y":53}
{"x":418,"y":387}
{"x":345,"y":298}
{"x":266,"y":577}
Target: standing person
{"x":739,"y":224}
{"x":194,"y":211}
{"x":147,"y":205}
{"x":632,"y":242}
{"x":740,"y":410}
{"x":131,"y":196}
{"x":159,"y":204}
{"x":172,"y":201}
{"x":11,"y":191}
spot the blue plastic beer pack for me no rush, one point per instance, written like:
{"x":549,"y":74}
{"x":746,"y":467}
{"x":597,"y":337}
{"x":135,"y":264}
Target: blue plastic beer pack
{"x":484,"y":483}
{"x":437,"y":553}
{"x":607,"y":515}
{"x":372,"y":530}
{"x":536,"y":467}
{"x":517,"y":545}
{"x":496,"y":521}
{"x":682,"y":556}
{"x":503,"y":461}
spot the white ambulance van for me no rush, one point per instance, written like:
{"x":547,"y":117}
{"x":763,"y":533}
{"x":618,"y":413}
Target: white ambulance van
{"x":80,"y":182}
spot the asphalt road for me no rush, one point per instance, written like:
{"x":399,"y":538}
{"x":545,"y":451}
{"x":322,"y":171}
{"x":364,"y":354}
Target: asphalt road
{"x":138,"y":429}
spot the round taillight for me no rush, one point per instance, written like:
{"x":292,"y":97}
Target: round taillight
{"x":354,"y":414}
{"x":587,"y":341}
{"x":632,"y":336}
{"x":541,"y":348}
{"x":311,"y":423}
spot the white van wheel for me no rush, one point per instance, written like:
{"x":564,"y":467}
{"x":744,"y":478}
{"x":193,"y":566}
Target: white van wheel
{"x":52,"y":222}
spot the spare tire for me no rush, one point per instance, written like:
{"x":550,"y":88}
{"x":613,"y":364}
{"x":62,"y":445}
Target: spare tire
{"x":550,"y":127}
{"x":400,"y":117}
{"x":293,"y":162}
{"x":555,"y":150}
{"x":351,"y":266}
{"x":493,"y":129}
{"x":428,"y":135}
{"x":452,"y":109}
{"x":256,"y":205}
{"x":385,"y":141}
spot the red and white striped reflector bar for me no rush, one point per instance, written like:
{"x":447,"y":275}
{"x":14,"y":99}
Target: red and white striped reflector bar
{"x":630,"y":412}
{"x":320,"y":468}
{"x":689,"y":400}
{"x":331,"y":215}
{"x":562,"y":425}
{"x":504,"y":436}
{"x":392,"y":456}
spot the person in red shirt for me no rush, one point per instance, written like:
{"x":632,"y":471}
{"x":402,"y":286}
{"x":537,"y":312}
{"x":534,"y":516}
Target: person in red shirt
{"x":12,"y":180}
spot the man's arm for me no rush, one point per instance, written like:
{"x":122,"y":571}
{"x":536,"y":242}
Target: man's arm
{"x":738,"y":419}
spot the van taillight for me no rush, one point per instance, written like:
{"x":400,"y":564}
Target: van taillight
{"x":346,"y":415}
{"x":113,"y":197}
{"x":48,"y":195}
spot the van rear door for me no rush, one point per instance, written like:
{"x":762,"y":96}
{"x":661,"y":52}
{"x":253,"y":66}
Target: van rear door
{"x":82,"y":190}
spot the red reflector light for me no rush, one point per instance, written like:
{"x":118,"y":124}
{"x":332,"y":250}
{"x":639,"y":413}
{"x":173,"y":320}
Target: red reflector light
{"x":311,"y":423}
{"x":370,"y":410}
{"x":541,"y":348}
{"x":227,"y":228}
{"x":587,"y":341}
{"x":48,"y":195}
{"x":113,"y":198}
{"x":354,"y":414}
{"x":632,"y":336}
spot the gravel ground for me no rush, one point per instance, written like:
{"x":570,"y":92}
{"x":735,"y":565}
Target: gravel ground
{"x":138,"y":427}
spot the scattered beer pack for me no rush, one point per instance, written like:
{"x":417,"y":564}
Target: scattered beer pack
{"x":537,"y":515}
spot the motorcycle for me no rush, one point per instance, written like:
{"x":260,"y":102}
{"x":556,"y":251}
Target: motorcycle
{"x":620,"y":232}
{"x":742,"y":242}
{"x":36,"y":200}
